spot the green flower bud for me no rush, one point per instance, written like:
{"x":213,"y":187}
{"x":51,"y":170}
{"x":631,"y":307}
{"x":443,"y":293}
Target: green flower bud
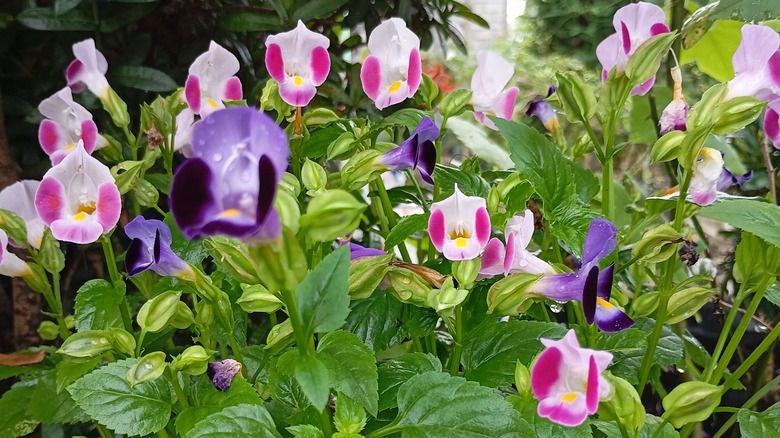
{"x":645,"y":304}
{"x":365,"y":275}
{"x":408,"y":286}
{"x":288,"y":209}
{"x":193,"y":361}
{"x":667,"y":147}
{"x":494,"y":200}
{"x":145,"y":193}
{"x":280,"y":337}
{"x":14,"y":226}
{"x":156,"y":313}
{"x":121,"y":340}
{"x":703,"y":112}
{"x":509,"y":296}
{"x":111,"y":153}
{"x":148,"y":368}
{"x":233,"y":256}
{"x":361,"y":169}
{"x":48,"y":331}
{"x":87,"y":343}
{"x":455,"y":103}
{"x":523,"y":380}
{"x":444,"y":300}
{"x":116,"y":107}
{"x":319,"y":117}
{"x":256,"y":298}
{"x":314,"y":177}
{"x":465,"y":271}
{"x":204,"y":314}
{"x":577,"y":100}
{"x":644,"y":63}
{"x":290,"y":183}
{"x":683,"y":304}
{"x":37,"y":278}
{"x":70,"y":322}
{"x":342,"y":147}
{"x":271,"y":100}
{"x":657,"y":245}
{"x":183,"y":318}
{"x":691,"y":402}
{"x":509,"y":183}
{"x":52,"y":258}
{"x":332,"y":214}
{"x":736,"y":113}
{"x":624,"y":405}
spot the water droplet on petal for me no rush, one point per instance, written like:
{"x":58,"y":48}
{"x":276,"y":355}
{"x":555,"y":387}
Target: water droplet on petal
{"x":217,"y":157}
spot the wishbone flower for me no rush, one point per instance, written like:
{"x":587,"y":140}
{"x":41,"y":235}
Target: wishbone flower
{"x":78,"y":198}
{"x":488,"y":96}
{"x":10,"y":264}
{"x":211,"y":80}
{"x":544,"y":111}
{"x":418,"y":152}
{"x":756,"y":64}
{"x":568,"y":382}
{"x":88,"y":70}
{"x":707,"y":171}
{"x":772,"y":122}
{"x":492,"y":259}
{"x":185,"y":125}
{"x":393,"y":70}
{"x":150,"y":248}
{"x":65,"y":124}
{"x":298,"y":60}
{"x":519,"y":231}
{"x":634,"y":24}
{"x":673,"y":116}
{"x":459,"y":226}
{"x":228,"y":187}
{"x":359,"y":251}
{"x":19,"y":198}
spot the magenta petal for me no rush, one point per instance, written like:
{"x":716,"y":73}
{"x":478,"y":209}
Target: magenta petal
{"x":493,"y":254}
{"x":274,"y":62}
{"x":414,"y":73}
{"x":297,"y":95}
{"x":49,"y":136}
{"x":371,"y":77}
{"x":71,"y":75}
{"x":192,"y":93}
{"x":108,"y":206}
{"x":82,"y":232}
{"x":592,"y":394}
{"x":504,"y":106}
{"x":567,"y":414}
{"x":50,"y":200}
{"x":546,"y":372}
{"x":658,"y":29}
{"x":482,"y":226}
{"x":625,"y":38}
{"x":89,"y":134}
{"x":643,"y":88}
{"x":509,"y":258}
{"x":774,"y":68}
{"x":437,"y":229}
{"x":772,"y":122}
{"x":320,"y":65}
{"x":232,"y":89}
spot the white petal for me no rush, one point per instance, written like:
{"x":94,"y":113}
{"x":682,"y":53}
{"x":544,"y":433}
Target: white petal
{"x":491,"y":76}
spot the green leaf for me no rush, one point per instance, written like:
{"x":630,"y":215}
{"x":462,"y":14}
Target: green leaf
{"x":628,"y":348}
{"x":250,"y":21}
{"x":283,"y":386}
{"x":759,"y":425}
{"x":476,"y":139}
{"x":16,"y":421}
{"x":407,"y":117}
{"x":251,"y":421}
{"x":395,"y":372}
{"x":435,"y":404}
{"x":53,"y":405}
{"x":97,"y":306}
{"x":747,"y":10}
{"x":377,"y":320}
{"x":759,"y":218}
{"x":141,"y":78}
{"x":191,"y":251}
{"x":312,"y":375}
{"x":106,"y":396}
{"x":323,"y":296}
{"x":305,"y":431}
{"x":47,"y":19}
{"x":468,"y":183}
{"x":63,"y":6}
{"x":544,"y":428}
{"x":577,"y":99}
{"x":316,"y":9}
{"x":208,"y":400}
{"x":351,"y":367}
{"x":652,"y":423}
{"x":406,"y":227}
{"x":491,"y":352}
{"x":754,"y":272}
{"x":68,"y":371}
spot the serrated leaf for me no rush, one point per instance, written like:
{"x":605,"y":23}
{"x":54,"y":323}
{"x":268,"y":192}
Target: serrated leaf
{"x":251,"y":421}
{"x":106,"y":396}
{"x":312,"y":375}
{"x":52,"y":405}
{"x":406,"y":117}
{"x":305,"y":431}
{"x":323,"y":296}
{"x":16,"y":421}
{"x":435,"y":404}
{"x":377,"y":321}
{"x":544,"y":428}
{"x":475,"y":138}
{"x":395,"y":372}
{"x":406,"y":227}
{"x":759,"y":425}
{"x":759,"y":218}
{"x":207,"y":400}
{"x":468,"y":183}
{"x":68,"y":371}
{"x":351,"y":368}
{"x":97,"y":306}
{"x":491,"y":352}
{"x":628,"y":348}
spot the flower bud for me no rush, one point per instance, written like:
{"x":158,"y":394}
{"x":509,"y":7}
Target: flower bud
{"x":465,"y":271}
{"x":523,"y":380}
{"x":342,"y":147}
{"x":683,"y":304}
{"x":674,"y":115}
{"x":691,"y":402}
{"x":444,"y":300}
{"x":183,"y":318}
{"x":280,"y":337}
{"x":408,"y":286}
{"x":148,"y":368}
{"x":455,"y":103}
{"x":657,"y":245}
{"x":222,"y":373}
{"x":702,"y":112}
{"x":256,"y":298}
{"x":289,"y":211}
{"x":14,"y":226}
{"x":509,"y":296}
{"x":48,"y":331}
{"x":156,"y":313}
{"x":37,"y":278}
{"x":126,"y":174}
{"x":52,"y":258}
{"x":271,"y":100}
{"x":735,"y":114}
{"x":493,"y":200}
{"x":204,"y":314}
{"x":644,"y":63}
{"x":290,"y":183}
{"x":319,"y":117}
{"x":87,"y":343}
{"x":145,"y":193}
{"x":193,"y":361}
{"x":332,"y":214}
{"x":313,"y":177}
{"x":116,"y":108}
{"x":624,"y":405}
{"x":121,"y":340}
{"x":233,"y":256}
{"x":361,"y":169}
{"x":112,"y":151}
{"x":365,"y":275}
{"x":645,"y":304}
{"x":667,"y":147}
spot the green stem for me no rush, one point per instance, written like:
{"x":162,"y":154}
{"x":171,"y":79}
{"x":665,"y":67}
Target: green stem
{"x":139,"y":344}
{"x":234,"y":347}
{"x":748,"y":404}
{"x":162,"y":433}
{"x":384,"y":431}
{"x":431,"y":341}
{"x":596,"y":143}
{"x":724,"y":334}
{"x":327,"y":430}
{"x":113,"y":273}
{"x":103,"y":431}
{"x":178,"y":390}
{"x":417,"y":344}
{"x":386,"y":211}
{"x":754,"y":356}
{"x":457,"y":349}
{"x":305,"y":343}
{"x":607,"y":190}
{"x":623,"y":431}
{"x":657,"y":432}
{"x":55,"y":302}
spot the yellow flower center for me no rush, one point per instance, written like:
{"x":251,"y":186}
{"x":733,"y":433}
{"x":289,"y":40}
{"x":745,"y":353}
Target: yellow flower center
{"x":70,"y":147}
{"x":604,"y":303}
{"x":211,"y":103}
{"x":461,"y":242}
{"x":230,"y":212}
{"x":87,"y":208}
{"x":80,"y":216}
{"x":569,"y":397}
{"x":297,"y":80}
{"x":394,"y":87}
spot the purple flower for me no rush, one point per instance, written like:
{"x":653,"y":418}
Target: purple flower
{"x":673,"y":117}
{"x":544,"y":111}
{"x":589,"y":284}
{"x":418,"y":152}
{"x":151,"y":248}
{"x":772,"y":122}
{"x":228,"y":187}
{"x":221,"y":373}
{"x":634,"y":24}
{"x":756,"y":64}
{"x":357,"y":251}
{"x":727,"y":179}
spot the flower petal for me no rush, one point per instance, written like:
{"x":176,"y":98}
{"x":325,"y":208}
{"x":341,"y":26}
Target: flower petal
{"x":564,"y":411}
{"x":274,"y":62}
{"x":138,"y":257}
{"x":77,"y":231}
{"x":600,"y":241}
{"x":320,"y":65}
{"x":589,"y":294}
{"x":231,"y":89}
{"x":437,"y":229}
{"x":108,"y":206}
{"x":192,"y":201}
{"x":546,"y":372}
{"x":592,"y":391}
{"x":371,"y":77}
{"x":50,"y":200}
{"x":192,"y":93}
{"x":297,"y":95}
{"x":414,"y":72}
{"x":758,"y":45}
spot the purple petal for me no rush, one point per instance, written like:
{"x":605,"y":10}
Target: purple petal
{"x":222,"y":373}
{"x":192,"y":200}
{"x":138,"y":257}
{"x":357,"y":251}
{"x":151,"y":248}
{"x":559,"y":287}
{"x":544,"y":111}
{"x":609,"y":318}
{"x":590,"y":294}
{"x":606,"y":277}
{"x":600,"y":241}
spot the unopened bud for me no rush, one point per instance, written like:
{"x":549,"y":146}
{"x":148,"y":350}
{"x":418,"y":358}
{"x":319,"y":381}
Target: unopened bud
{"x":87,"y":343}
{"x":193,"y":361}
{"x":511,"y":295}
{"x":256,"y":298}
{"x":657,"y":244}
{"x":280,"y":336}
{"x":408,"y":286}
{"x":183,"y":318}
{"x":691,"y":402}
{"x":148,"y":368}
{"x":361,"y":169}
{"x":314,"y":177}
{"x":116,"y":107}
{"x":523,"y":380}
{"x":48,"y":331}
{"x":319,"y":117}
{"x":683,"y":304}
{"x":121,"y":340}
{"x":342,"y":147}
{"x":465,"y":271}
{"x":156,"y":313}
{"x":332,"y":214}
{"x":366,"y":274}
{"x":233,"y":256}
{"x":455,"y":103}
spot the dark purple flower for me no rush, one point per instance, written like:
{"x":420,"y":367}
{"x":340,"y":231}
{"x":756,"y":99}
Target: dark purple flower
{"x":544,"y":111}
{"x":417,"y":152}
{"x":589,"y":284}
{"x":151,"y":249}
{"x":228,"y":186}
{"x":221,"y":373}
{"x":727,"y":179}
{"x":357,"y":251}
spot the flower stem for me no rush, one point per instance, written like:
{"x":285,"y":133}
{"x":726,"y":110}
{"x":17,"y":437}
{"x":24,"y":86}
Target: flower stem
{"x":113,"y":273}
{"x":55,"y":302}
{"x":386,"y":212}
{"x":607,"y":190}
{"x":457,"y":349}
{"x":103,"y":431}
{"x":754,"y":356}
{"x":724,"y":334}
{"x":748,"y":404}
{"x":327,"y":430}
{"x":140,"y":343}
{"x":174,"y":379}
{"x":305,"y":343}
{"x":770,"y":170}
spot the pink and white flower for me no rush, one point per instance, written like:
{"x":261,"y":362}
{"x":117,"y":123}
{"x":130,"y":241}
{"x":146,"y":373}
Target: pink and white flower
{"x":65,"y":124}
{"x":211,"y":80}
{"x":707,"y":171}
{"x":488,"y":96}
{"x":519,"y":231}
{"x":88,"y":70}
{"x":185,"y":126}
{"x":393,"y":70}
{"x":772,"y":122}
{"x":78,"y":198}
{"x":10,"y":264}
{"x":567,"y":380}
{"x":634,"y":24}
{"x":756,"y":64}
{"x":459,"y":226}
{"x":298,"y":60}
{"x":19,"y":198}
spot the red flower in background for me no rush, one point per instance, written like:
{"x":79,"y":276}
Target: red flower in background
{"x":439,"y":76}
